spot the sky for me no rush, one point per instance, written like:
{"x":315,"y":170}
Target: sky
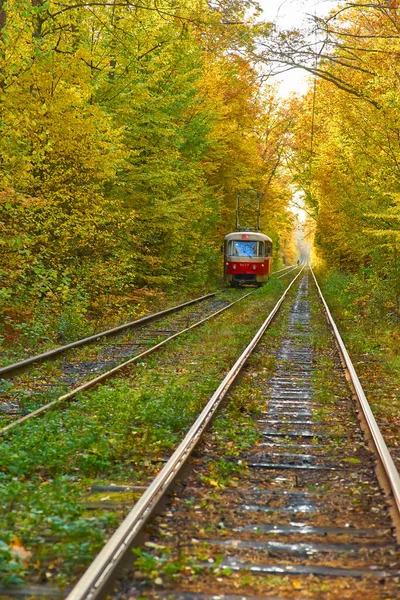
{"x":288,"y":14}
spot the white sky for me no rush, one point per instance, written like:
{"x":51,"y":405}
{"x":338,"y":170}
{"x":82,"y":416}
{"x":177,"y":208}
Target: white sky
{"x":288,"y":14}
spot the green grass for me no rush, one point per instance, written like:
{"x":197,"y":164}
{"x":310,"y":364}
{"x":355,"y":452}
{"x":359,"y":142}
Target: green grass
{"x":112,"y":433}
{"x":365,"y":314}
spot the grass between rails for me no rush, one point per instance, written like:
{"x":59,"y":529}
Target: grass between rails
{"x":112,"y":433}
{"x":369,"y":330}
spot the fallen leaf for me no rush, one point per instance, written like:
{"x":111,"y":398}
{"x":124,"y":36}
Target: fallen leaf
{"x":19,"y":550}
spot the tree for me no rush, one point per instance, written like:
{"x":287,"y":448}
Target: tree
{"x":126,"y":131}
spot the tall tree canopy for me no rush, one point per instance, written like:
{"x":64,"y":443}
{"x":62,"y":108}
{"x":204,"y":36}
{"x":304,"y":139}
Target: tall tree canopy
{"x":346,"y":146}
{"x":126,"y":130}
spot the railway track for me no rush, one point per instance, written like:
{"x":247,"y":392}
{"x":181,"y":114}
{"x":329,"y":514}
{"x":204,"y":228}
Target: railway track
{"x":11,"y":369}
{"x":286,"y":271}
{"x":32,"y":386}
{"x":33,"y":393}
{"x":381,"y":391}
{"x":300,"y":514}
{"x":55,"y":471}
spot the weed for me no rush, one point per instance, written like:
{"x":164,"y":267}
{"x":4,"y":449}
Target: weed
{"x":155,"y":566}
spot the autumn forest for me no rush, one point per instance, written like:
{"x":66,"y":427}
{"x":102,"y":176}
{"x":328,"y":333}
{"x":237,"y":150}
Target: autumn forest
{"x":128,"y":128}
{"x":208,"y":434}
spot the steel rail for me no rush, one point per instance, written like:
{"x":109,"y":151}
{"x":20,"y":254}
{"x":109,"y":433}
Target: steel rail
{"x":108,"y":374}
{"x":284,"y":269}
{"x":22,"y":364}
{"x":379,"y":444}
{"x":292,"y":268}
{"x":94,"y":581}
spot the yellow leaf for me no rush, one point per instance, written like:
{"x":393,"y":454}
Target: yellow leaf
{"x":297,"y":584}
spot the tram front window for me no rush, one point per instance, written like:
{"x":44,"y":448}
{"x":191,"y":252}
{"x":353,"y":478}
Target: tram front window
{"x":245,"y":249}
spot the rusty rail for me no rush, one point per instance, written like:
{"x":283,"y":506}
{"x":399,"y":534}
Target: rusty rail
{"x":22,"y":364}
{"x":108,"y":374}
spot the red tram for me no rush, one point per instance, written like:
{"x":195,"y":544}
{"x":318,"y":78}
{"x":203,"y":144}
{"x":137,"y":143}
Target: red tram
{"x":248,"y":258}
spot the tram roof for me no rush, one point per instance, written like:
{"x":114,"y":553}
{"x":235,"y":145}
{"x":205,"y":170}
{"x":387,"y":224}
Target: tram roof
{"x":248,"y":235}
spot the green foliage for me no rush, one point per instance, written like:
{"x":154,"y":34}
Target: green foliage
{"x":155,"y":566}
{"x":366,"y":303}
{"x":11,"y":567}
{"x":41,"y":512}
{"x":124,"y":137}
{"x":347,"y":153}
